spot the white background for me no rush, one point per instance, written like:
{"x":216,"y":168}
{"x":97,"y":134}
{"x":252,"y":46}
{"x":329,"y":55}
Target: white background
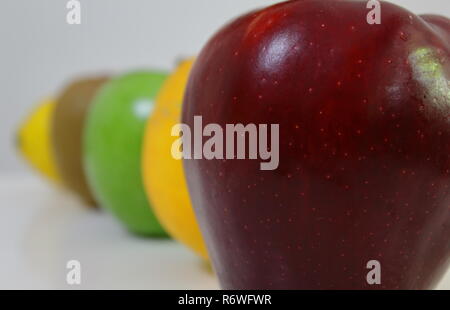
{"x":40,"y":52}
{"x":41,"y":227}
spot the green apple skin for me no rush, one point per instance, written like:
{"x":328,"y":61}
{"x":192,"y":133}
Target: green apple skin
{"x":112,"y":149}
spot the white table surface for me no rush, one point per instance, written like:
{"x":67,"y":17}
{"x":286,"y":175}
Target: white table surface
{"x":42,"y":228}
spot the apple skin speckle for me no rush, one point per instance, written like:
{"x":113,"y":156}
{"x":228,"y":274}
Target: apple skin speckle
{"x":375,"y":96}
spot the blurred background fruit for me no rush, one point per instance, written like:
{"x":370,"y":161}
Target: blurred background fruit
{"x":33,"y":140}
{"x":67,"y":129}
{"x":112,"y":148}
{"x":163,"y":175}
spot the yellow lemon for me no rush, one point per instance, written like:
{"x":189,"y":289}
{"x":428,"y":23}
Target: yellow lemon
{"x":33,"y":140}
{"x":163,"y":175}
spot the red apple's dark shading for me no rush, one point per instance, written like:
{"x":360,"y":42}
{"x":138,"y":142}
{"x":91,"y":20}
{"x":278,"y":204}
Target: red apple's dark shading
{"x":364,"y":168}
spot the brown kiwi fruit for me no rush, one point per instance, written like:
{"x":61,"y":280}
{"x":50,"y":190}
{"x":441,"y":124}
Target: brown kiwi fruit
{"x":67,"y":131}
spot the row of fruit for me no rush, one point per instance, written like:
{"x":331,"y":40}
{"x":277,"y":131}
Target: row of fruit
{"x":108,"y":139}
{"x":359,"y":196}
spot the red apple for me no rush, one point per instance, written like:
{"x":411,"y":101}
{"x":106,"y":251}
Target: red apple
{"x":364,"y":167}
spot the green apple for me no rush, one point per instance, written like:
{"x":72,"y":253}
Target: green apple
{"x":112,"y":148}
